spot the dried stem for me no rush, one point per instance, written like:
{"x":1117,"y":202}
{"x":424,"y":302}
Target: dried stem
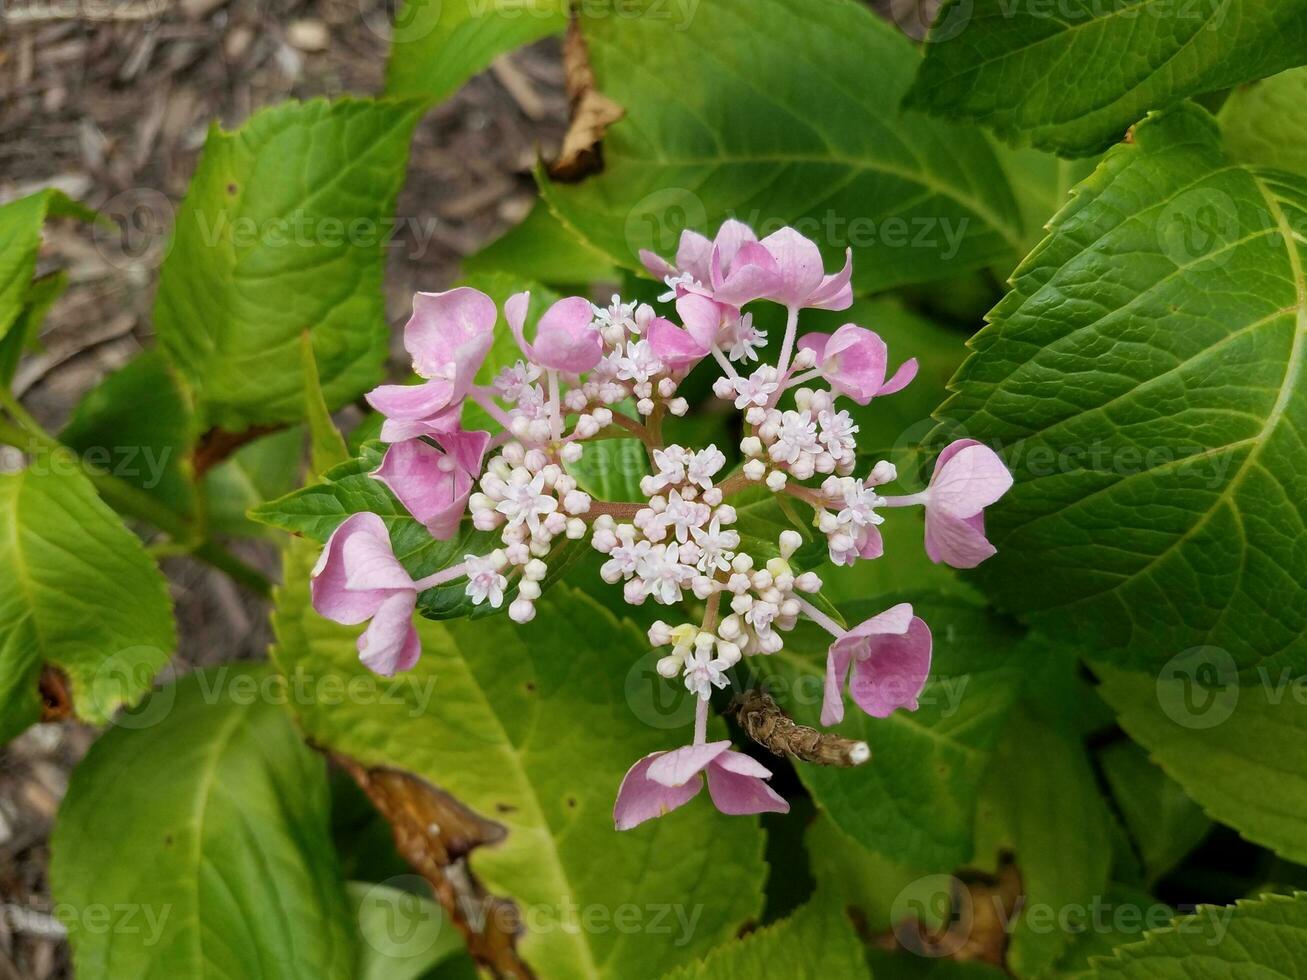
{"x":764,"y":721}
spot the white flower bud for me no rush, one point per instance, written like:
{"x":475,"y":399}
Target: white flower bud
{"x":729,"y":628}
{"x":575,"y":529}
{"x":702,"y":586}
{"x":666,"y":387}
{"x":742,"y":562}
{"x":660,"y":634}
{"x":751,"y":446}
{"x":678,"y":406}
{"x":521,"y":611}
{"x":741,"y":604}
{"x":728,"y":651}
{"x":535,"y":570}
{"x":776,"y":481}
{"x":805,"y":358}
{"x":808,"y":582}
{"x":577,"y":502}
{"x":644,"y":406}
{"x":755,"y":469}
{"x":790,"y":541}
{"x":668,"y":667}
{"x":529,"y":590}
{"x":756,"y":415}
{"x":513,"y":455}
{"x":883,"y":472}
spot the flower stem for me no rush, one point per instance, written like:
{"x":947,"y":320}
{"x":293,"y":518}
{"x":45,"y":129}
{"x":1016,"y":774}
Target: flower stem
{"x":440,"y":577}
{"x":555,"y":405}
{"x":910,"y":500}
{"x":700,"y":721}
{"x":787,"y":345}
{"x":821,"y":619}
{"x":725,"y":363}
{"x":483,"y":398}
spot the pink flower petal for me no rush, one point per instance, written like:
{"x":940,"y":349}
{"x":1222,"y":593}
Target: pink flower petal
{"x":431,"y":485}
{"x":515,"y":308}
{"x":735,"y":793}
{"x":676,"y":767}
{"x":893,"y":671}
{"x":390,"y":642}
{"x":799,"y":265}
{"x":902,"y":377}
{"x":870,"y":543}
{"x":332,"y":597}
{"x":968,"y":477}
{"x":454,"y":327}
{"x":693,"y":255}
{"x":702,"y":317}
{"x":412,"y":402}
{"x":837,"y":671}
{"x":730,"y":238}
{"x":956,"y":541}
{"x":657,"y":266}
{"x":397,"y":430}
{"x":752,"y":275}
{"x":835,"y":293}
{"x":566,"y":337}
{"x":673,"y":346}
{"x":641,"y":798}
{"x":370,"y":564}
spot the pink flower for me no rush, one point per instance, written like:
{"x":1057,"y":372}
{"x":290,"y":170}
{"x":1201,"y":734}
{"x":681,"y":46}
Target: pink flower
{"x":663,"y":781}
{"x":676,"y":347}
{"x":968,"y":478}
{"x":358,"y":578}
{"x":434,"y":484}
{"x":448,"y":336}
{"x":694,"y":255}
{"x":803,"y":281}
{"x":567,"y":339}
{"x":853,"y":362}
{"x":890,"y":656}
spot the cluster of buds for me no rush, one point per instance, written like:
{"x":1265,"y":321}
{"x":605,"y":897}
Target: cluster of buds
{"x":600,"y":372}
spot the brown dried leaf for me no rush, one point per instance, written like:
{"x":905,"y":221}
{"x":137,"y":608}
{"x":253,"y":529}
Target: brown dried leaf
{"x":764,"y":721}
{"x":592,"y":113}
{"x":434,"y":833}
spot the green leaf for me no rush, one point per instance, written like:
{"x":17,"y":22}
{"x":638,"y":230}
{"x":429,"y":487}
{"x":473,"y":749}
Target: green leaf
{"x":611,"y":469}
{"x":1251,"y":939}
{"x":915,"y":801}
{"x":815,"y":943}
{"x":1125,"y":914}
{"x":542,"y":249}
{"x":437,"y":45}
{"x":877,"y":887}
{"x":530,"y":726}
{"x":797,"y":126}
{"x":1042,"y":183}
{"x":283,"y":230}
{"x":1265,"y":124}
{"x":26,"y":328}
{"x":226,"y":811}
{"x":20,"y":239}
{"x":1164,"y":822}
{"x":1212,"y":736}
{"x":258,"y":472}
{"x":137,"y":425}
{"x":316,"y":510}
{"x":77,"y":591}
{"x":1143,"y":382}
{"x":1042,"y":793}
{"x":326,"y":445}
{"x":403,"y":934}
{"x":1074,"y":82}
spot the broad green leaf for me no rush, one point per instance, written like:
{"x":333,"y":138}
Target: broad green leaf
{"x":316,"y":510}
{"x":25,"y":331}
{"x":1075,"y":79}
{"x":611,"y":469}
{"x":1265,"y":938}
{"x":1122,"y":916}
{"x":217,"y":817}
{"x":1042,"y":793}
{"x":531,"y":727}
{"x":542,"y":249}
{"x":1164,"y":822}
{"x":326,"y":445}
{"x":20,"y":239}
{"x":798,"y":124}
{"x":78,"y":592}
{"x":1239,"y":752}
{"x":915,"y":801}
{"x":1143,"y":382}
{"x":283,"y":230}
{"x":136,"y":425}
{"x":815,"y":943}
{"x":437,"y":45}
{"x":402,"y":934}
{"x":1265,"y":124}
{"x":264,"y":470}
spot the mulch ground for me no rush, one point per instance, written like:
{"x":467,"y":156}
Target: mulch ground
{"x":110,"y":102}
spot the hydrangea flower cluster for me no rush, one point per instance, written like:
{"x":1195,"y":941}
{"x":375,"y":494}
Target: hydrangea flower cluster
{"x":599,"y":372}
